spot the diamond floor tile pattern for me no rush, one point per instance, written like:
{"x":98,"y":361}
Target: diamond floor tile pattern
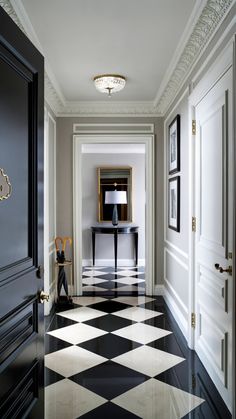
{"x":119,"y":354}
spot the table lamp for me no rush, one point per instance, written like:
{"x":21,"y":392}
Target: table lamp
{"x":115,"y":197}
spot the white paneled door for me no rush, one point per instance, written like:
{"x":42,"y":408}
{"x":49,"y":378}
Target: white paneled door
{"x":214,"y":230}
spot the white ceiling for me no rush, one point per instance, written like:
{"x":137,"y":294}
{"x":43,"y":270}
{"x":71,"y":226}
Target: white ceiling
{"x":82,"y":38}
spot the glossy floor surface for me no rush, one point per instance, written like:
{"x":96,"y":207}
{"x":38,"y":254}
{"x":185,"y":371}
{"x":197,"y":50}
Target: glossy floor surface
{"x":108,"y":281}
{"x":123,"y":356}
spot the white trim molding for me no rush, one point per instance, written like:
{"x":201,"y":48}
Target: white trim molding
{"x":176,"y":312}
{"x":203,"y":23}
{"x":159,"y":290}
{"x":113,"y":128}
{"x":49,"y":247}
{"x":148,"y":140}
{"x":209,"y":21}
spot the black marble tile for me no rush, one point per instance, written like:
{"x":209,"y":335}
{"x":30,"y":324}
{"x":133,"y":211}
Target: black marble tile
{"x":109,"y":410}
{"x":109,"y":379}
{"x":112,"y":294}
{"x":156,"y":305}
{"x":179,"y":376}
{"x":59,"y":321}
{"x":53,"y":344}
{"x":141,"y":276}
{"x":109,"y":285}
{"x":168,"y":344}
{"x":158,"y":321}
{"x":107,"y":269}
{"x":141,"y":284}
{"x":109,"y":306}
{"x":109,"y":345}
{"x":110,"y":277}
{"x":109,"y":323}
{"x":51,"y":377}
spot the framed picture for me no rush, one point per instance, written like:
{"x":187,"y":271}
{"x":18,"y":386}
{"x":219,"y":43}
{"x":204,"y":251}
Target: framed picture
{"x":174,"y":145}
{"x":174,"y":203}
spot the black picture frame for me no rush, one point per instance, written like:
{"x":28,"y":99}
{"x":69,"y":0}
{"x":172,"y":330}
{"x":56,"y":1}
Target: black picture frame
{"x":174,"y":203}
{"x":174,"y":146}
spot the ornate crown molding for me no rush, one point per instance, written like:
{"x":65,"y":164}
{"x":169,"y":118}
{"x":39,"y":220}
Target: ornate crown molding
{"x":6,"y":5}
{"x":109,"y":109}
{"x":210,"y":19}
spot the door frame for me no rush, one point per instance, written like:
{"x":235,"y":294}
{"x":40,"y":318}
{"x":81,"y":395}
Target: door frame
{"x":78,"y":141}
{"x":220,"y":66}
{"x":49,"y":247}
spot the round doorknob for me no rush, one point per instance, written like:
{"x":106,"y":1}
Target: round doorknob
{"x":43,"y":297}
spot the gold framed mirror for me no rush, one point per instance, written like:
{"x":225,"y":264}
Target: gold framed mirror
{"x":113,"y":178}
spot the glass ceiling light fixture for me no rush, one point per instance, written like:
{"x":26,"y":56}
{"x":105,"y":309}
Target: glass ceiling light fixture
{"x":109,"y":83}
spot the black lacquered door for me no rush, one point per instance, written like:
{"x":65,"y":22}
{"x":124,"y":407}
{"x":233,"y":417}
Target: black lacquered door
{"x":21,"y":224}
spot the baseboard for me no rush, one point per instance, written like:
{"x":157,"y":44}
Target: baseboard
{"x":159,"y":290}
{"x":110,"y":262}
{"x":177,"y":314}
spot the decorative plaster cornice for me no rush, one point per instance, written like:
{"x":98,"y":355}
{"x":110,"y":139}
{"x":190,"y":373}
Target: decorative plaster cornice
{"x":109,"y":108}
{"x":207,"y":24}
{"x":51,"y":96}
{"x":6,"y":5}
{"x":210,"y":19}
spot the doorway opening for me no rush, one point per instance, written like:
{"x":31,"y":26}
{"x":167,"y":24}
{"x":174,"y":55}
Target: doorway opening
{"x":81,"y":205}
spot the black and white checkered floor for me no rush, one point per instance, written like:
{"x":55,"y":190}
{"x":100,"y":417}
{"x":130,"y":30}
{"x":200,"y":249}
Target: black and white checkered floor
{"x":124,"y":357}
{"x":108,"y":281}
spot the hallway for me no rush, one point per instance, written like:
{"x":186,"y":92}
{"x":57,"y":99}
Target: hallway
{"x":123,"y":356}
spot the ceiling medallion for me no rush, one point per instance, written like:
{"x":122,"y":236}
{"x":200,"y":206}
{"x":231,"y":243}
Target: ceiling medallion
{"x":109,"y":83}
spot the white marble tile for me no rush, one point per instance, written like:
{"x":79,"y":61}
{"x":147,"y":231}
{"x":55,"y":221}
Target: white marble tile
{"x":93,"y":272}
{"x":137,"y":314}
{"x":128,"y":280}
{"x":147,"y":360}
{"x":142,"y":333}
{"x":86,"y":301}
{"x":93,"y":280}
{"x":81,"y":314}
{"x":93,"y":288}
{"x":77,"y":333}
{"x":155,"y":399}
{"x":72,"y":360}
{"x":134,"y":301}
{"x":68,"y":400}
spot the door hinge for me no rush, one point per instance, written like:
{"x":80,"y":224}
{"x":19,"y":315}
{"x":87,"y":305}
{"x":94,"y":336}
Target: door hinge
{"x":193,"y":320}
{"x":194,"y":127}
{"x":194,"y":224}
{"x":193,"y":381}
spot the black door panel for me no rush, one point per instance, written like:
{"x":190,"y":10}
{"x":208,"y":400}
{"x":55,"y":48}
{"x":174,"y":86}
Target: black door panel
{"x":21,"y":224}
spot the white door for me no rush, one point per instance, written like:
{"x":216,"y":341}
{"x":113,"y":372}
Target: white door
{"x":214,"y":230}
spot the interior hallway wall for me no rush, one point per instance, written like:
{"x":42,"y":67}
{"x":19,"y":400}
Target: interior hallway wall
{"x":64,"y":177}
{"x":177,"y":275}
{"x":104,"y":244}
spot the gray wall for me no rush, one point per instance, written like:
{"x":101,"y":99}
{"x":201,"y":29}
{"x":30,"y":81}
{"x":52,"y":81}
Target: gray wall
{"x":104,"y":244}
{"x":64,"y":176}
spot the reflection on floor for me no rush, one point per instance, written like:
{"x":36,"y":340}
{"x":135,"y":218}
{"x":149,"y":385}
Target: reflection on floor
{"x":107,"y":281}
{"x":124,"y":356}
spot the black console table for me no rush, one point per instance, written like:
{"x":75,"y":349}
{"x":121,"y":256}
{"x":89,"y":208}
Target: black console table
{"x":120,"y":229}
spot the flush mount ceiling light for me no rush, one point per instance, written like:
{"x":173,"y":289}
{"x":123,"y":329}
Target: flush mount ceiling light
{"x":109,"y":83}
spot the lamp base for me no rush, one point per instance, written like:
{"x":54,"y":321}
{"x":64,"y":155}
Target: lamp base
{"x":115,"y":216}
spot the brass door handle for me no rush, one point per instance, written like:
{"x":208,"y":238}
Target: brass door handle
{"x":221,"y":270}
{"x":43,"y":297}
